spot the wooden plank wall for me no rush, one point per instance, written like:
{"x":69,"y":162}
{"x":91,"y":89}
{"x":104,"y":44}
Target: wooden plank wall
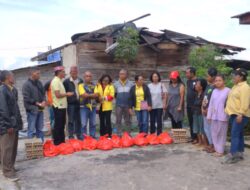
{"x":91,"y":56}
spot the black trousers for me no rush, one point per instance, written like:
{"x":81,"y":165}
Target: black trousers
{"x":190,"y":121}
{"x":74,"y":121}
{"x":59,"y":126}
{"x":175,"y":125}
{"x":156,"y":116}
{"x":105,"y":123}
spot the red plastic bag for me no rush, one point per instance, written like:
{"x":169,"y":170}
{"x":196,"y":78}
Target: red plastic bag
{"x":104,"y":143}
{"x":89,"y":143}
{"x":153,"y":139}
{"x":76,"y":144}
{"x":140,"y":139}
{"x":65,"y":149}
{"x":126,"y":140}
{"x":116,"y":140}
{"x":165,"y":138}
{"x":49,"y":149}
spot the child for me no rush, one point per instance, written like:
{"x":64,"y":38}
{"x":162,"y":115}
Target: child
{"x":198,"y":127}
{"x":217,"y":116}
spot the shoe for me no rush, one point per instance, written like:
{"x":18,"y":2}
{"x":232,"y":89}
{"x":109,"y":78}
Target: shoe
{"x":230,"y":159}
{"x":12,"y":178}
{"x":240,"y":155}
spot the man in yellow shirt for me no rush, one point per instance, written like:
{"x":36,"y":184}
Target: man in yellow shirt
{"x":59,"y":97}
{"x":140,"y":100}
{"x":237,"y":108}
{"x":88,"y":104}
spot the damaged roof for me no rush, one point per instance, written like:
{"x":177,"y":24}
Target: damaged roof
{"x":146,"y":38}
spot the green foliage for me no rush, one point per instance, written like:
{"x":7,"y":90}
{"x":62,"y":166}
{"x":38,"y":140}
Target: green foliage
{"x":128,"y":44}
{"x":207,"y":56}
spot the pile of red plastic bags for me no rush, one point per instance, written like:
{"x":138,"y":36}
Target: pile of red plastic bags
{"x":89,"y":143}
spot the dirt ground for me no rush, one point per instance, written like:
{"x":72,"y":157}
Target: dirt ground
{"x":177,"y":166}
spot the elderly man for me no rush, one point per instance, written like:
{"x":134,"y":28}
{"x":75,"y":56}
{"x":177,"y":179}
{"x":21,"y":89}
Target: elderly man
{"x":10,"y":124}
{"x":71,"y":85}
{"x":34,"y":103}
{"x":59,"y":99}
{"x":88,"y":104}
{"x":122,"y":88}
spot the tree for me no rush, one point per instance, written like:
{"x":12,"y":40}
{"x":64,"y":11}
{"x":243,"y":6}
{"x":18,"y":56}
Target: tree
{"x":207,"y":56}
{"x":128,"y":45}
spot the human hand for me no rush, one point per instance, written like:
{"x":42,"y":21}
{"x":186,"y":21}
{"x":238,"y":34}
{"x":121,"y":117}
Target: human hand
{"x":239,"y":119}
{"x":149,"y":108}
{"x":131,"y":112}
{"x":179,"y":108}
{"x":69,"y":94}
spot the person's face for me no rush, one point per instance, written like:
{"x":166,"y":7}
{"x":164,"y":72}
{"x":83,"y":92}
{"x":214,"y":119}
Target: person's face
{"x":189,"y":75}
{"x":174,"y":80}
{"x":11,"y":79}
{"x":210,"y":79}
{"x":74,"y":73}
{"x":198,"y":86}
{"x":36,"y":75}
{"x":105,"y":81}
{"x":236,"y":78}
{"x":62,"y":74}
{"x":155,"y":78}
{"x":140,"y":81}
{"x":87,"y":77}
{"x":122,"y":76}
{"x":219,"y":82}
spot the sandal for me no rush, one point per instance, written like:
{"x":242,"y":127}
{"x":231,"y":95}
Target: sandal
{"x":216,"y":154}
{"x":210,"y":151}
{"x":195,"y":142}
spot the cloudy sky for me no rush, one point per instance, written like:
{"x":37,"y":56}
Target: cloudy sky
{"x":30,"y":26}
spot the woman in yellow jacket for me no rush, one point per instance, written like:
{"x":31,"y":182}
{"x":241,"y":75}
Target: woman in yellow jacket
{"x":106,"y":93}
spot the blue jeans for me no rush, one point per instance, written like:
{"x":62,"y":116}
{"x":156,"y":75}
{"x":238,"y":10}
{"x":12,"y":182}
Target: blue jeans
{"x":207,"y":129}
{"x":142,"y":118}
{"x":35,"y":124}
{"x":88,"y":115}
{"x":237,"y":138}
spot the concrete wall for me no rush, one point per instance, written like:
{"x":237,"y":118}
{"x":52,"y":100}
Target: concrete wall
{"x":69,"y":57}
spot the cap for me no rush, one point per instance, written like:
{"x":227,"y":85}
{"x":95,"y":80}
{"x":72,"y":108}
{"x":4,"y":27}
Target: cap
{"x":59,"y":68}
{"x":241,"y":72}
{"x":174,"y":75}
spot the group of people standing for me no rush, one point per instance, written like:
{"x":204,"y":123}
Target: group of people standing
{"x":210,"y":106}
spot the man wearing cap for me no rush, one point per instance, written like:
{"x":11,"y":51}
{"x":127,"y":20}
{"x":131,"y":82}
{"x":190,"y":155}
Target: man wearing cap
{"x":59,"y":97}
{"x":34,"y":103}
{"x":237,"y":107}
{"x":74,"y":121}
